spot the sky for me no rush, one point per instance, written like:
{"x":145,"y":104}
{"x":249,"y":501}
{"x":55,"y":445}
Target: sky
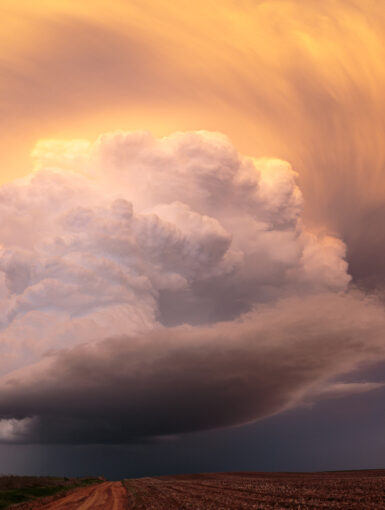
{"x":191,"y":247}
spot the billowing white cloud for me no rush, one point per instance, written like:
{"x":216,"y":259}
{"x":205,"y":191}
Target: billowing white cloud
{"x":131,"y":237}
{"x":15,"y":430}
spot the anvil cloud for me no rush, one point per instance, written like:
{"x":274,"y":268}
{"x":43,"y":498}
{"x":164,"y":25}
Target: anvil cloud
{"x":301,"y":80}
{"x":159,"y":286}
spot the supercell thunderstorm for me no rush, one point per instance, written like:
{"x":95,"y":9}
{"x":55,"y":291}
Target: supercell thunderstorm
{"x":160,"y":286}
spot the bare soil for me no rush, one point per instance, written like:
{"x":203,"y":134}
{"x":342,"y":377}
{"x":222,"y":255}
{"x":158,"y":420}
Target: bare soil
{"x":354,"y":490}
{"x":104,"y":496}
{"x":265,"y":491}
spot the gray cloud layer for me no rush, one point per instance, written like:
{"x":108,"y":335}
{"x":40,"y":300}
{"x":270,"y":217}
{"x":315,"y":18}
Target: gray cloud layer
{"x":175,"y":380}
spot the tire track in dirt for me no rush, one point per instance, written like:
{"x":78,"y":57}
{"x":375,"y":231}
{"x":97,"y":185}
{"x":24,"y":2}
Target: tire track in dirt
{"x":105,"y":496}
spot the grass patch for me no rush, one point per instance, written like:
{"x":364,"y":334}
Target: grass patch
{"x":14,"y":490}
{"x":11,"y":497}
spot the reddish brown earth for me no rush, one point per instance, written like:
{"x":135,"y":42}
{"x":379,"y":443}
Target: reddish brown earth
{"x":265,"y":491}
{"x":233,"y":491}
{"x":104,"y":496}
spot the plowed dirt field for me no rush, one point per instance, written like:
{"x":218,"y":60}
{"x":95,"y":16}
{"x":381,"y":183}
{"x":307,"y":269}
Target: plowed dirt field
{"x":355,"y":490}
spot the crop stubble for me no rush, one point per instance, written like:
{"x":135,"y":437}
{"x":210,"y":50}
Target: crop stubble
{"x":334,"y":490}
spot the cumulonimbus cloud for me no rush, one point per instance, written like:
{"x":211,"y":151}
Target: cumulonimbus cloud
{"x":159,"y":286}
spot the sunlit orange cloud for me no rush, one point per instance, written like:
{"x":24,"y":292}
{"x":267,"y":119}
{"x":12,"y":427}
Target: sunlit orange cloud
{"x":299,"y":80}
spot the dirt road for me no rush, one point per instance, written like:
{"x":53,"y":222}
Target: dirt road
{"x":105,"y":496}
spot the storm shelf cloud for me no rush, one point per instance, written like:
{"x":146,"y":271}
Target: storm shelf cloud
{"x":156,"y":287}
